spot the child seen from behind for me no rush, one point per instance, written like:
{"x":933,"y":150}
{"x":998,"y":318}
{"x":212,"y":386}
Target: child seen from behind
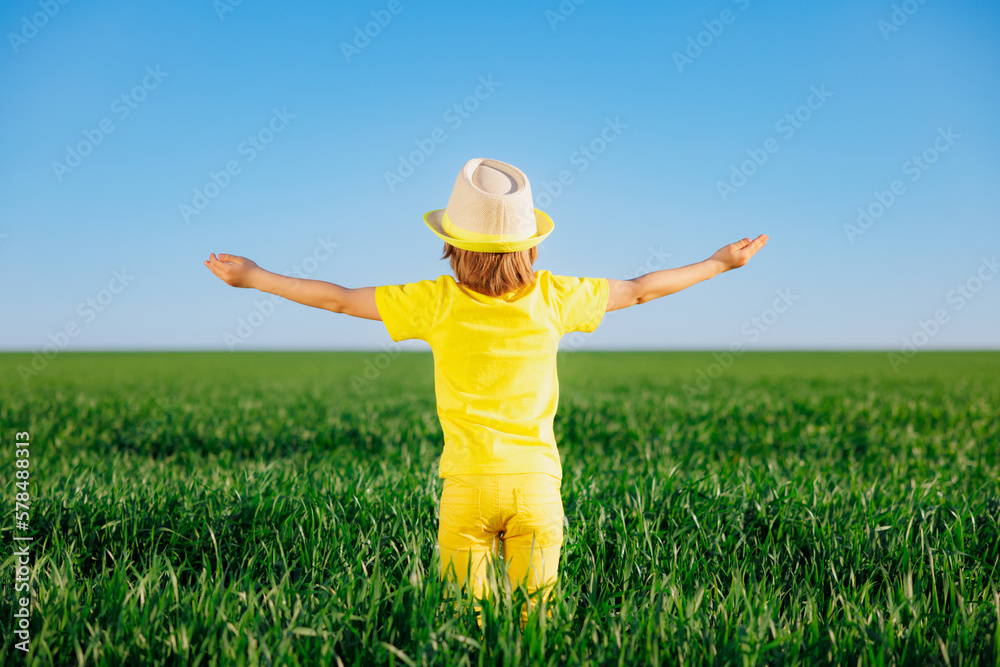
{"x":494,"y":335}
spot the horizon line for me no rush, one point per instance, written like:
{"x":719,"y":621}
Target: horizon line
{"x":560,"y":351}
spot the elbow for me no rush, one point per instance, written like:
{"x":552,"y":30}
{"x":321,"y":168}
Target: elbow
{"x":639,"y":294}
{"x":625,"y":293}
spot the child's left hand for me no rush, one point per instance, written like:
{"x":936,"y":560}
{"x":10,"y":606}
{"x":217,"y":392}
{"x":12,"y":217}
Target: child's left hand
{"x":233,"y":269}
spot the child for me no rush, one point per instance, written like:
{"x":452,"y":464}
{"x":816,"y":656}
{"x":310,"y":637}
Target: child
{"x":494,"y":337}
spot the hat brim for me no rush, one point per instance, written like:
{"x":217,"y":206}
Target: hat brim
{"x":543,"y":227}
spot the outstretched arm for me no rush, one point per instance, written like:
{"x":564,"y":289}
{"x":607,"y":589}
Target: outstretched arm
{"x":625,"y":293}
{"x":242,"y":272}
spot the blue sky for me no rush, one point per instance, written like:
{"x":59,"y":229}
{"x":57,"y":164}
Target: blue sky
{"x":678,"y":127}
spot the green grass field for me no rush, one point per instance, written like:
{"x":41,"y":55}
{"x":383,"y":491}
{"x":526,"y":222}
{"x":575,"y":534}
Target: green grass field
{"x":268,"y":509}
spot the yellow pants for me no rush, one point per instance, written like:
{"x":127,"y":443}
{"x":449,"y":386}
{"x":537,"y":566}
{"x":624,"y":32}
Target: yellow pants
{"x":523,"y":511}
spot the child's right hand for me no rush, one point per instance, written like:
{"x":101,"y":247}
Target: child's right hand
{"x":737,"y":254}
{"x":233,"y":269}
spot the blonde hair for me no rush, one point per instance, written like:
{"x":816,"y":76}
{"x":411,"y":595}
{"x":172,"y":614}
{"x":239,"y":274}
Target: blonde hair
{"x":492,"y":273}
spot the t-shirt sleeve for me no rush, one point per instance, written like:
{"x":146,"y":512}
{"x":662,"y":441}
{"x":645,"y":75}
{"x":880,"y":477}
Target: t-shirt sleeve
{"x":581,"y":302}
{"x":408,"y":311}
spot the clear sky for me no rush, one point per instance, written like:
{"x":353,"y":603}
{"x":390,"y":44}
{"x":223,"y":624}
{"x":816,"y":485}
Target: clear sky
{"x":138,"y":137}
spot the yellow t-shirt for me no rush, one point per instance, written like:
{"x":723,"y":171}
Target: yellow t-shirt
{"x":495,"y":364}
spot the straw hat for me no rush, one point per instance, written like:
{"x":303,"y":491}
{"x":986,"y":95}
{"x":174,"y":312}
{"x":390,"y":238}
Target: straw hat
{"x":490,"y":210}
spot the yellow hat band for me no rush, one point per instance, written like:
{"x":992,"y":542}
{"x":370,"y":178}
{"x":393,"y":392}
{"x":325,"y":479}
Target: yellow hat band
{"x":448,"y":227}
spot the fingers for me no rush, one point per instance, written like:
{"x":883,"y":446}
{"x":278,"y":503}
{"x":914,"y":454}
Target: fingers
{"x":216,"y":266}
{"x":755,"y":244}
{"x":212,"y":268}
{"x":223,"y":258}
{"x":746,"y":248}
{"x":230,"y":269}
